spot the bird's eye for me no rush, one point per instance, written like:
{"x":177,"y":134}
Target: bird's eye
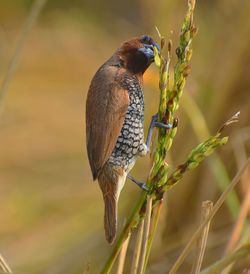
{"x":146,"y":39}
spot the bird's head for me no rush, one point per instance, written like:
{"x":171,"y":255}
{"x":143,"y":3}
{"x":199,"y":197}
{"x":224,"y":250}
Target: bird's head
{"x":137,"y":54}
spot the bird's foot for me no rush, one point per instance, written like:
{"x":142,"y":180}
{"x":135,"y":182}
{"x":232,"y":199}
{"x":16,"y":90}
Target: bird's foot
{"x":154,"y":123}
{"x":142,"y":185}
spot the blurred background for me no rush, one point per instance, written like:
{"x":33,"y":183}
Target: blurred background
{"x":51,"y":218}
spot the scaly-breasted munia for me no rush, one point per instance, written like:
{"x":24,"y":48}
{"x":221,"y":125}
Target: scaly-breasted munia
{"x":114,"y":121}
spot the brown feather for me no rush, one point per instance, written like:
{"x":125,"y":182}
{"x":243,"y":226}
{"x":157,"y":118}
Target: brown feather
{"x":108,"y":180}
{"x":106,"y":107}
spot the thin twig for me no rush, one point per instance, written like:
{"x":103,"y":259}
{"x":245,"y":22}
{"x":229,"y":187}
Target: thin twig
{"x":137,"y":251}
{"x":122,"y":256}
{"x":230,"y":258}
{"x":145,"y":234}
{"x":4,"y":265}
{"x":216,"y":207}
{"x":202,"y":240}
{"x":36,"y":8}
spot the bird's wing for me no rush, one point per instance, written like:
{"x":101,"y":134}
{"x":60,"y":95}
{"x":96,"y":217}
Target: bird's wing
{"x":107,"y":104}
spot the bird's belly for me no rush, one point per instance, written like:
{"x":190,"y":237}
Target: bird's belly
{"x":130,"y":142}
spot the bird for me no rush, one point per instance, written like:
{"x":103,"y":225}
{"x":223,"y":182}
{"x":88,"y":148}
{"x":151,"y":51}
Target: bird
{"x":115,"y":121}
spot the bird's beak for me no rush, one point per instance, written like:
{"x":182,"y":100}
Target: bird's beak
{"x":148,"y":50}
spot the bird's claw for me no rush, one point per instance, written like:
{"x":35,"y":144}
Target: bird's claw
{"x":159,"y":124}
{"x":143,"y":186}
{"x":154,"y":123}
{"x":162,"y":125}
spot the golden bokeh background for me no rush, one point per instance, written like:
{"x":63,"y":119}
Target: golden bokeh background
{"x":51,"y":218}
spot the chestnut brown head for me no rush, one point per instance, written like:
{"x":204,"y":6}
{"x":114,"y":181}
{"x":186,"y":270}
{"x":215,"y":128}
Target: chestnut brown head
{"x":137,"y":54}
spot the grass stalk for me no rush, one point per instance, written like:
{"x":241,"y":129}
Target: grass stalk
{"x":36,"y":9}
{"x":202,"y":240}
{"x":216,"y":207}
{"x":122,"y":256}
{"x":154,"y":223}
{"x":137,"y":249}
{"x":145,"y":235}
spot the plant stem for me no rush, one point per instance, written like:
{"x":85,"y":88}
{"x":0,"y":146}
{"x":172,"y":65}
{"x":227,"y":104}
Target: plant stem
{"x":201,"y":243}
{"x":154,"y":223}
{"x":122,"y":256}
{"x":145,"y":234}
{"x":137,"y":250}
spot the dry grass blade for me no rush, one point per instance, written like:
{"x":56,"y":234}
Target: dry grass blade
{"x":35,"y":11}
{"x":145,"y":234}
{"x":230,"y":258}
{"x":4,"y":265}
{"x":137,"y":251}
{"x":202,"y":241}
{"x":211,"y":215}
{"x":122,"y":256}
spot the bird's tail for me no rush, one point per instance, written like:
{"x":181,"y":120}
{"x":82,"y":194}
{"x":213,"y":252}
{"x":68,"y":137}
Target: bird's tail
{"x":110,"y":218}
{"x":109,"y":181}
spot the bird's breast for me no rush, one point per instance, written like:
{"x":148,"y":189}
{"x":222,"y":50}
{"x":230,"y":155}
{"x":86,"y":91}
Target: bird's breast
{"x":130,"y":142}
